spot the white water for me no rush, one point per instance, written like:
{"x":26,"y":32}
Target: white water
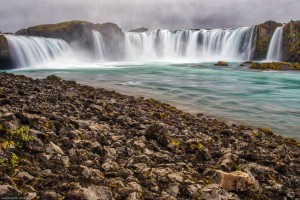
{"x":274,"y":51}
{"x":31,"y":51}
{"x":203,"y":45}
{"x":98,"y":45}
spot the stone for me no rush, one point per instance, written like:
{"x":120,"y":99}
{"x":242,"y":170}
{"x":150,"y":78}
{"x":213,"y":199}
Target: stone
{"x":221,"y":63}
{"x":97,"y":193}
{"x":214,"y":192}
{"x":228,"y":162}
{"x":25,"y":176}
{"x":236,"y":181}
{"x":109,"y":165}
{"x":8,"y":191}
{"x":173,"y":189}
{"x":57,"y":149}
{"x":159,"y":132}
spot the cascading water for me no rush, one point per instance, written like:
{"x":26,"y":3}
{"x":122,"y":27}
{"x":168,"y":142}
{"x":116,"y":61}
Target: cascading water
{"x":205,"y":45}
{"x":274,"y":51}
{"x":98,"y":45}
{"x":30,"y":51}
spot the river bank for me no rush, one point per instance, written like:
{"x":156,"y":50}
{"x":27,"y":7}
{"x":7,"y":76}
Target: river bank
{"x":60,"y":139}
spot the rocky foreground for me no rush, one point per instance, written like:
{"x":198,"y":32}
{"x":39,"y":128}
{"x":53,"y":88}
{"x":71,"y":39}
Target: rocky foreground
{"x":62,"y":140}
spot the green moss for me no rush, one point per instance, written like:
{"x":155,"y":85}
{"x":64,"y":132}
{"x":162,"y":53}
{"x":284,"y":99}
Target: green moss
{"x":67,"y":26}
{"x":20,"y":136}
{"x":238,"y":168}
{"x":208,"y":181}
{"x":266,"y":130}
{"x":151,"y":100}
{"x":14,"y":161}
{"x":175,"y":143}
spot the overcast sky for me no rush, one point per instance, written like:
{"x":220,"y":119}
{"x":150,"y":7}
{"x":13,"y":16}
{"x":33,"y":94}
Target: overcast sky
{"x":153,"y":14}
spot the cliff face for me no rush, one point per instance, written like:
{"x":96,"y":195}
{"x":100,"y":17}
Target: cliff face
{"x":291,"y":42}
{"x":5,"y":59}
{"x":81,"y":32}
{"x":139,"y":30}
{"x":264,"y":35}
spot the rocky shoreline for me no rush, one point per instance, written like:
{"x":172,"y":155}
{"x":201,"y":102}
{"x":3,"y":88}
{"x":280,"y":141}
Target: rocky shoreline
{"x":63,"y":140}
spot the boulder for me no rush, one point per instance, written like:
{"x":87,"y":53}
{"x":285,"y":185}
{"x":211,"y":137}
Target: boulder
{"x":8,"y":191}
{"x":214,"y":192}
{"x":236,"y":181}
{"x":221,"y":63}
{"x":159,"y":132}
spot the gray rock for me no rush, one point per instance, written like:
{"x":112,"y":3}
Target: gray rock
{"x":24,"y":176}
{"x":173,"y":189}
{"x":97,"y":193}
{"x":214,"y":192}
{"x":8,"y":191}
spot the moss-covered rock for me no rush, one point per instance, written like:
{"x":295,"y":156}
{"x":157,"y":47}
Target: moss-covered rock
{"x":291,"y":42}
{"x":264,"y":33}
{"x":81,"y":33}
{"x":279,"y":66}
{"x":221,"y":63}
{"x":5,"y":59}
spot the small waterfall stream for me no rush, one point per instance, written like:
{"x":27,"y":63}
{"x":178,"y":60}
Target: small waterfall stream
{"x":274,"y":51}
{"x":98,"y":45}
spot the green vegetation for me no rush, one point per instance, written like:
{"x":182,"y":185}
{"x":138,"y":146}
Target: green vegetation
{"x":67,"y":26}
{"x":20,"y":136}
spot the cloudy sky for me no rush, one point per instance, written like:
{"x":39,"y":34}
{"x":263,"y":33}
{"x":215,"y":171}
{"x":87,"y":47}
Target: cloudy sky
{"x":154,"y":14}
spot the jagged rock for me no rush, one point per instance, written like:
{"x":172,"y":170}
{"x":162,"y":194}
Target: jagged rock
{"x":159,"y":132}
{"x":56,"y":148}
{"x":24,"y":176}
{"x":7,"y":191}
{"x":236,"y":181}
{"x":173,"y":189}
{"x":214,"y":192}
{"x":134,"y":196}
{"x":110,"y":165}
{"x":228,"y":162}
{"x":97,"y":193}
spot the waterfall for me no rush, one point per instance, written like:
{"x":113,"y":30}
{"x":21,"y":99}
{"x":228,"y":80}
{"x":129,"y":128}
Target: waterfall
{"x":98,"y":45}
{"x":204,"y":45}
{"x":30,"y":51}
{"x":274,"y":51}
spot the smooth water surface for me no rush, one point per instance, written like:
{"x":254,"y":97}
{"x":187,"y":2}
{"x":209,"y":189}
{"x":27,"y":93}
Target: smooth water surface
{"x":260,"y":99}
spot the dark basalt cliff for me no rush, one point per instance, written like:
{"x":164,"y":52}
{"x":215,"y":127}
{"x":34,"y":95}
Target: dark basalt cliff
{"x":139,"y":30}
{"x":264,"y":35}
{"x":5,"y":60}
{"x":291,"y":41}
{"x":81,"y":33}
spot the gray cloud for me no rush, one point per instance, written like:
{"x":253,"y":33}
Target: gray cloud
{"x":128,"y":14}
